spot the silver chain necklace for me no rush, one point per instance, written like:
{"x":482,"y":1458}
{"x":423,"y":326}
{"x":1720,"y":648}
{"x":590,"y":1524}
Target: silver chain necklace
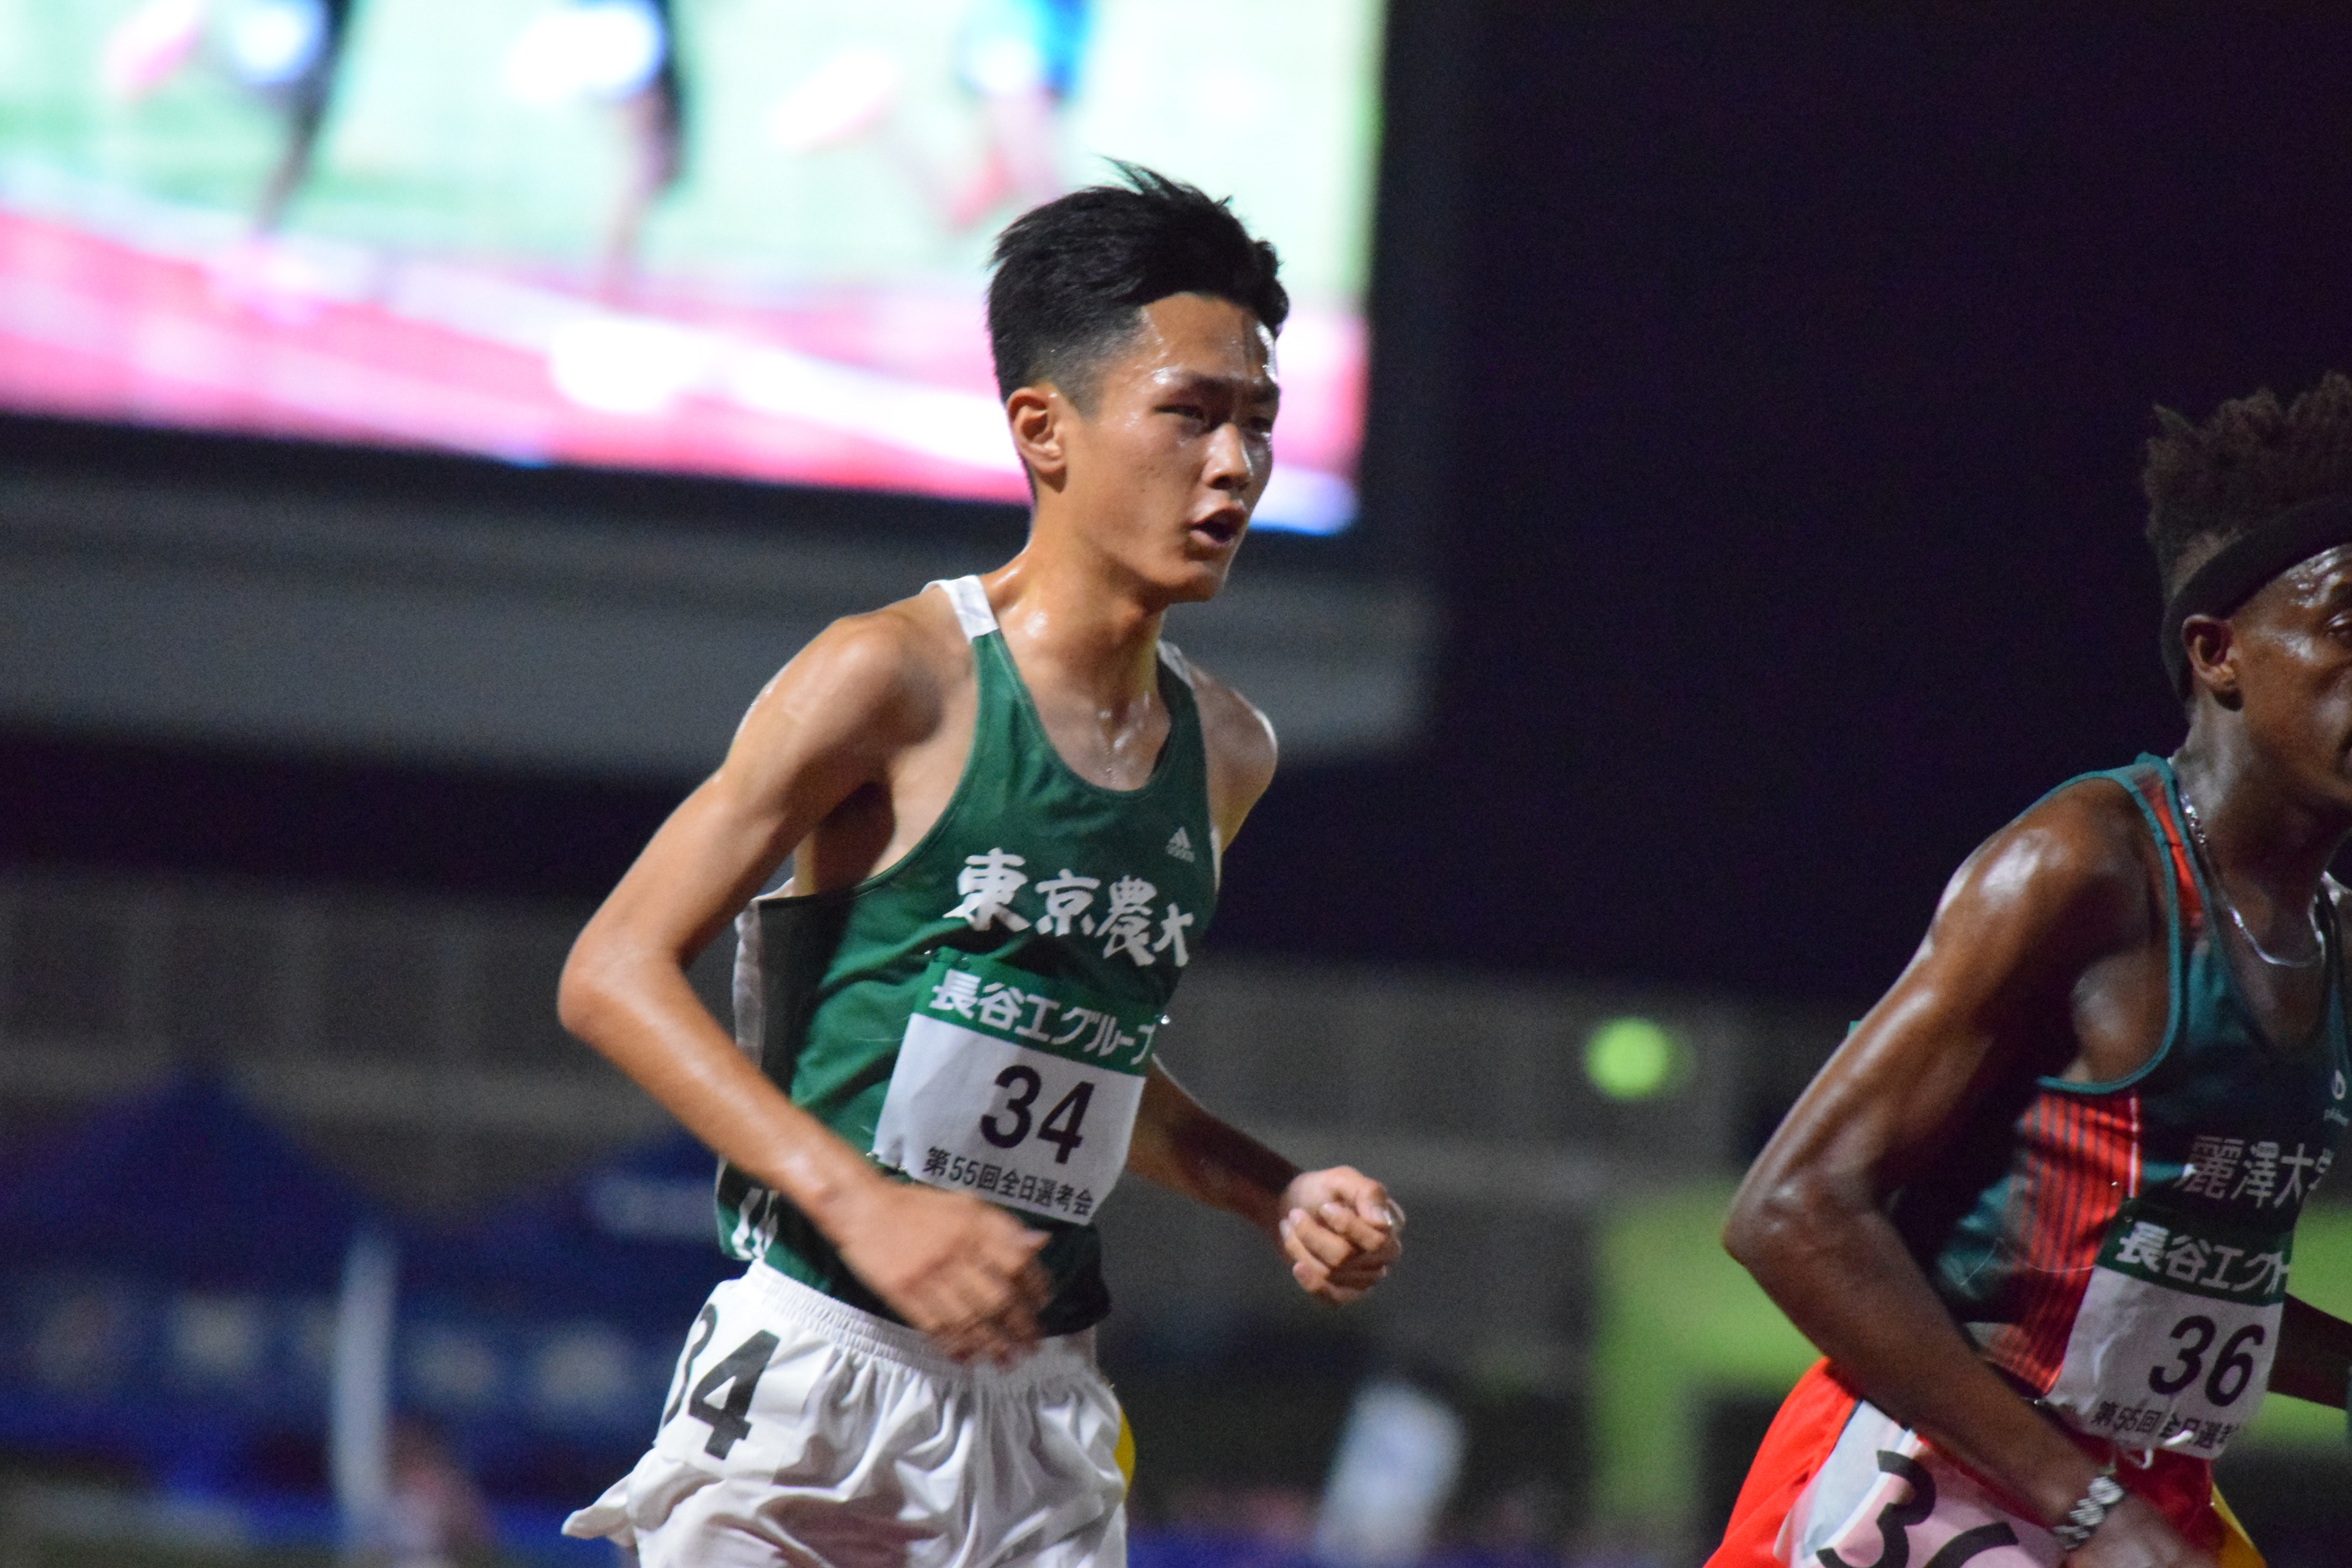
{"x":2196,"y":831}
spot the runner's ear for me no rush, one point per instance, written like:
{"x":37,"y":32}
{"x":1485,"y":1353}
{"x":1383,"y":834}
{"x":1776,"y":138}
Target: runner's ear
{"x":2211,"y":645}
{"x":1036,"y":414}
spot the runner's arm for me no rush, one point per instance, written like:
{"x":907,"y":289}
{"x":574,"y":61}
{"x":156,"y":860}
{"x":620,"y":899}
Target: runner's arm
{"x":2314,"y":1348}
{"x":2022,"y":921}
{"x":2314,"y":1356}
{"x":830,"y":724}
{"x":1339,"y":1228}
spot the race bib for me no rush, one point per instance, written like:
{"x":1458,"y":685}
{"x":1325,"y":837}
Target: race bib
{"x":1017,"y":1088}
{"x":2172,"y":1345}
{"x":1883,"y":1497}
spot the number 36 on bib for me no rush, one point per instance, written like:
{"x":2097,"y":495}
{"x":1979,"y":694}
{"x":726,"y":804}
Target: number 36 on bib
{"x":2171,"y":1346}
{"x":1017,"y":1087}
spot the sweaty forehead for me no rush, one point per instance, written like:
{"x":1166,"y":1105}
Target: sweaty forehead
{"x":1199,"y":334}
{"x":2319,"y":578}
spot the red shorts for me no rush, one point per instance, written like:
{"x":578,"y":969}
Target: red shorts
{"x":1884,"y":1478}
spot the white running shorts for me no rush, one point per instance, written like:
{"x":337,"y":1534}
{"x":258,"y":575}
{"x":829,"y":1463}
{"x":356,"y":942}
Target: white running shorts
{"x":801,"y":1431}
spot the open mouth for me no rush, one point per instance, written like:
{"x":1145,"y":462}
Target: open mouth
{"x":1221,"y":528}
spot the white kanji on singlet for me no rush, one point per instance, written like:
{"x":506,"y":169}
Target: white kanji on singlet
{"x":1126,"y":925}
{"x":1066,"y":898}
{"x":988,"y":883}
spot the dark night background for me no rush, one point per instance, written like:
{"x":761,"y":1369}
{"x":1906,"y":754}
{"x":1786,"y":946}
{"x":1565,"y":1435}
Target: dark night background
{"x":1762,"y":390}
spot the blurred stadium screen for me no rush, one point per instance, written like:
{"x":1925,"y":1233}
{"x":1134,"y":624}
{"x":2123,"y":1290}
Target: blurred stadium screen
{"x":744,"y":238}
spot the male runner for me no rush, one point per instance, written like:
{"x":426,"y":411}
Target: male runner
{"x":2037,"y":1210}
{"x":1006,"y":801}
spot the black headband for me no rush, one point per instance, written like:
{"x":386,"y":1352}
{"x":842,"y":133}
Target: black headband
{"x":2242,"y":566}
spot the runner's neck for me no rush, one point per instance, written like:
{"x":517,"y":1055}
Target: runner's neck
{"x":1078,"y":632}
{"x":2269,"y":849}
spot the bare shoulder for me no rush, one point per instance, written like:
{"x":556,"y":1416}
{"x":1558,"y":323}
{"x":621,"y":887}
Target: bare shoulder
{"x":1241,"y":746}
{"x":2079,"y":862}
{"x":917,"y":637}
{"x":879,"y":680}
{"x":1238,"y":732}
{"x":2063,"y":888}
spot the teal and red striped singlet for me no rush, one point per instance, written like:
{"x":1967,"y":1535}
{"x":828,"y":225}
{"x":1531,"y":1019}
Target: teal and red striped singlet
{"x":2121,"y":1249}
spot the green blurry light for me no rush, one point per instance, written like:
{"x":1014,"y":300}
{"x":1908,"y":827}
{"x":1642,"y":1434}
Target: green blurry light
{"x":1633,"y":1058}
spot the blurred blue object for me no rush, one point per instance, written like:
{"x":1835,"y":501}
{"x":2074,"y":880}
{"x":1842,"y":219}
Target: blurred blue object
{"x":1400,"y":1456}
{"x":632,"y":1241}
{"x":542,"y":1336}
{"x":182,"y":1184}
{"x":168,"y":1313}
{"x":168,"y":1310}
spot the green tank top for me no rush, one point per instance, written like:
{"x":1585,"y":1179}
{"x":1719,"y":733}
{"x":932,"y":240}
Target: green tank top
{"x":980,"y":1015}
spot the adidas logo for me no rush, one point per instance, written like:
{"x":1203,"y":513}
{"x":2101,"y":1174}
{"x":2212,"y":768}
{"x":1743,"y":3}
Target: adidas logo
{"x":1180,"y":844}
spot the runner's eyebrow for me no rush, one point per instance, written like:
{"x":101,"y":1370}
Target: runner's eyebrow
{"x":1255,"y":388}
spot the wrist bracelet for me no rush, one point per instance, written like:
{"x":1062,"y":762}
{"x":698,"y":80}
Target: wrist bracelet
{"x":2103,"y":1494}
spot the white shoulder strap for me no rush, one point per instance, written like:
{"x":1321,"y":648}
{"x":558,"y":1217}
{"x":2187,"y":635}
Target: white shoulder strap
{"x":971,"y":602}
{"x":1173,"y":657}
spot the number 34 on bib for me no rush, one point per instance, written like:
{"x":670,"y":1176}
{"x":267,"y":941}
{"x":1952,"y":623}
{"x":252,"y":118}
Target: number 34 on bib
{"x":1017,"y":1087}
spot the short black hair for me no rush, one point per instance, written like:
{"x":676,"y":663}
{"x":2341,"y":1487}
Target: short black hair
{"x":1073,"y":275}
{"x":2208,"y":484}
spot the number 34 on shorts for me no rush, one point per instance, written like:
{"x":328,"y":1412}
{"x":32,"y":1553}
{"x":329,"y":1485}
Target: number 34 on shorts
{"x":718,"y":1394}
{"x":1021,"y":1088}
